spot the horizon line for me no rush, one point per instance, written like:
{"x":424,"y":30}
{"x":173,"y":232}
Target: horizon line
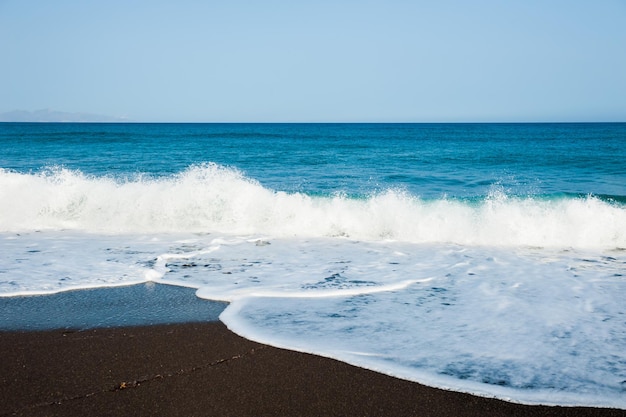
{"x":303,"y":122}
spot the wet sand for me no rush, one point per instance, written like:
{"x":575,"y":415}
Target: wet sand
{"x":203,"y":369}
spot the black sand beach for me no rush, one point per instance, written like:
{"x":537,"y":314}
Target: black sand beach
{"x":203,"y":369}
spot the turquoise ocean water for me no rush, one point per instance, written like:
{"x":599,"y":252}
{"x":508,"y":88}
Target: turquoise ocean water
{"x":485,"y":258}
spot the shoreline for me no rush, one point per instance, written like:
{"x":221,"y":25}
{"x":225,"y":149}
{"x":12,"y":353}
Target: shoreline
{"x":205,"y":369}
{"x":141,"y":304}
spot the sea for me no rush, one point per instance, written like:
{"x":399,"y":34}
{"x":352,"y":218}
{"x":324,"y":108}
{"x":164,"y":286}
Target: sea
{"x":482,"y":258}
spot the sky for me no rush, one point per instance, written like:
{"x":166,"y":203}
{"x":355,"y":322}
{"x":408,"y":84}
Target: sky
{"x":316,"y":61}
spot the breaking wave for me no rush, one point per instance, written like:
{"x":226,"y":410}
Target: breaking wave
{"x":209,"y":198}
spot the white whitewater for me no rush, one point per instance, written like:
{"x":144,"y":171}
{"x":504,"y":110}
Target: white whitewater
{"x":515,"y":297}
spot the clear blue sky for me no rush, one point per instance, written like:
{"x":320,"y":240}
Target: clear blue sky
{"x":323,"y":60}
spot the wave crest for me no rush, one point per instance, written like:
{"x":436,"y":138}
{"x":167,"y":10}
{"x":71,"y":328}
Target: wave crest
{"x":210,"y":198}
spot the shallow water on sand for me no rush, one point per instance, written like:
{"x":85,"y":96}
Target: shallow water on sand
{"x":128,"y":305}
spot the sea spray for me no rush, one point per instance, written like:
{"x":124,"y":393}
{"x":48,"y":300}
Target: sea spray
{"x":210,"y":198}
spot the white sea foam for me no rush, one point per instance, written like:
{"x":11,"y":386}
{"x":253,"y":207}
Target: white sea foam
{"x":531,"y":325}
{"x":526,"y":324}
{"x":210,"y":198}
{"x":518,"y":298}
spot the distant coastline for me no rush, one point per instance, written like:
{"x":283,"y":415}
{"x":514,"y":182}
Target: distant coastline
{"x":49,"y":116}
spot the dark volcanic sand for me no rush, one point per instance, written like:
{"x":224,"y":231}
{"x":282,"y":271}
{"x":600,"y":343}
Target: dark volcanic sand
{"x":204,"y":369}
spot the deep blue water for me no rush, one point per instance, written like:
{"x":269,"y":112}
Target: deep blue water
{"x":428,"y":160}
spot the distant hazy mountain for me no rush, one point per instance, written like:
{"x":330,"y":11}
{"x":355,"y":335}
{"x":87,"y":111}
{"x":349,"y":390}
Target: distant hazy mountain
{"x":47,"y":115}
